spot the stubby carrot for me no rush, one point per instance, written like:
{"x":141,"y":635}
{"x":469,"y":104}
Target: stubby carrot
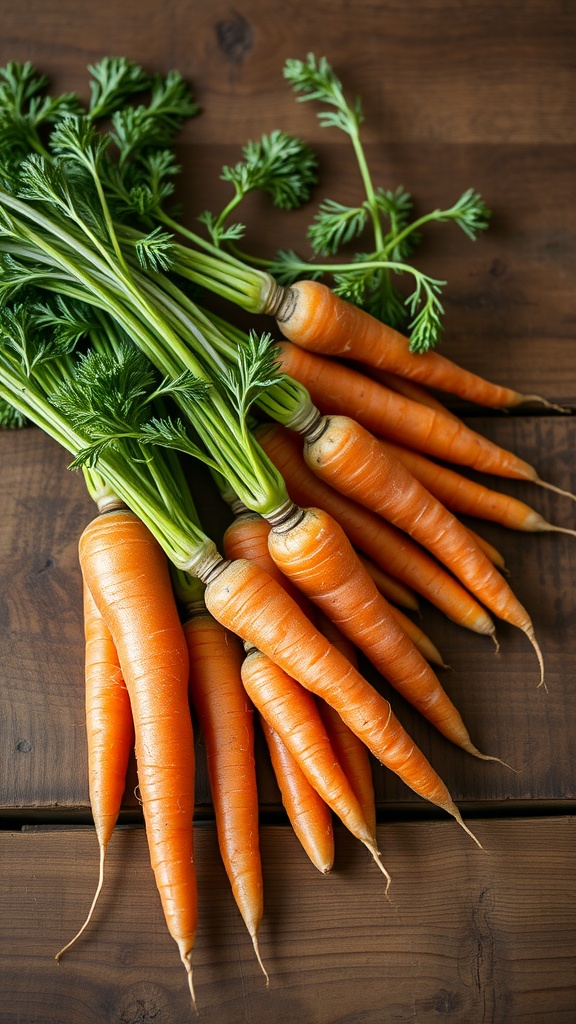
{"x":127,"y":574}
{"x":109,"y":734}
{"x":226,"y":720}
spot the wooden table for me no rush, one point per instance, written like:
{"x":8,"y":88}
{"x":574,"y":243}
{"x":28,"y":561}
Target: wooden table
{"x":455,"y":95}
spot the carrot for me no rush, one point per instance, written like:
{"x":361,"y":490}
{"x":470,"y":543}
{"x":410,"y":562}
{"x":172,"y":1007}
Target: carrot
{"x":314,"y":553}
{"x":352,"y":754}
{"x":127,"y":573}
{"x":390,"y":548}
{"x":109,"y":735}
{"x":393,"y":589}
{"x":405,"y":386}
{"x":248,"y":537}
{"x":291,"y":711}
{"x":468,"y":497}
{"x":225,"y":716}
{"x":315,"y":318}
{"x":309,"y":815}
{"x":336,"y":389}
{"x":246,"y":599}
{"x":348,"y":456}
{"x":419,"y":638}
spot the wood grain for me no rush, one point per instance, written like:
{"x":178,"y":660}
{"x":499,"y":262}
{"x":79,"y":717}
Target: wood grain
{"x":456,"y":941}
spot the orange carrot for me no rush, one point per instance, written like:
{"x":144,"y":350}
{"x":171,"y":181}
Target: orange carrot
{"x":390,"y":548}
{"x":109,"y":734}
{"x":246,"y":599}
{"x":225,"y":716}
{"x":127,"y":573}
{"x":405,"y":386}
{"x":419,"y":638}
{"x":393,"y":589}
{"x":470,"y":498}
{"x":336,"y":389}
{"x":291,"y":711}
{"x":309,"y":815}
{"x":313,"y":551}
{"x":352,"y":754}
{"x":317,"y":319}
{"x":349,"y":457}
{"x":248,"y":537}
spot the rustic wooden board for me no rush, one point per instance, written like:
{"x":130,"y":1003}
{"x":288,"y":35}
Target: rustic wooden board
{"x":43,"y":753}
{"x":456,"y":941}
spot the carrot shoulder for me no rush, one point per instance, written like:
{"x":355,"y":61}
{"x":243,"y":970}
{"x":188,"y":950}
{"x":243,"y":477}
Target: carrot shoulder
{"x":128,"y":576}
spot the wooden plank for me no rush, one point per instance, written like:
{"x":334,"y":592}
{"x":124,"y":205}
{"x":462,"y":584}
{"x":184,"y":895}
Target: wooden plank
{"x":42,"y":752}
{"x":468,"y":936}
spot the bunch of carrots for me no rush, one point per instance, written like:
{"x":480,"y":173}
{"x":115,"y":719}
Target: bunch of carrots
{"x":344,"y":472}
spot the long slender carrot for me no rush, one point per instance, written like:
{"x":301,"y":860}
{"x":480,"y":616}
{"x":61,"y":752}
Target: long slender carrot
{"x":313,"y":551}
{"x":109,"y":735}
{"x":390,"y":548}
{"x":127,"y":573}
{"x":337,"y":389}
{"x":246,"y":599}
{"x":291,"y":711}
{"x":226,"y":721}
{"x":469,"y":497}
{"x":349,"y":457}
{"x":352,"y":754}
{"x":309,"y":815}
{"x":405,"y":386}
{"x":315,"y":318}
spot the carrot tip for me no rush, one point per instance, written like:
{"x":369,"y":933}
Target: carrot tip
{"x":254,"y":938}
{"x":532,"y":638}
{"x":376,"y":855}
{"x":453,"y":810}
{"x":186,"y":957}
{"x":553,"y":487}
{"x":489,"y":757}
{"x":60,"y":954}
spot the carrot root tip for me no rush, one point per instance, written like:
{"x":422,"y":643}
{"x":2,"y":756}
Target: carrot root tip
{"x":553,"y":487}
{"x":64,"y":949}
{"x":453,"y":810}
{"x":254,"y":938}
{"x":376,"y":855}
{"x":186,"y":957}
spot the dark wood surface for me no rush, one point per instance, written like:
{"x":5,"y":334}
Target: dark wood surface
{"x":456,"y":95}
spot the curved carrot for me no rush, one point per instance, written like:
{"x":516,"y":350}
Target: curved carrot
{"x":246,"y":599}
{"x":309,"y":815}
{"x":128,"y":576}
{"x":315,"y":318}
{"x":336,"y":389}
{"x":468,"y":497}
{"x":109,"y":734}
{"x":225,"y":716}
{"x":314,"y":553}
{"x":349,"y":457}
{"x":291,"y":711}
{"x":390,"y":548}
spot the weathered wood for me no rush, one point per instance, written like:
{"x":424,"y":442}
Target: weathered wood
{"x":457,"y":940}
